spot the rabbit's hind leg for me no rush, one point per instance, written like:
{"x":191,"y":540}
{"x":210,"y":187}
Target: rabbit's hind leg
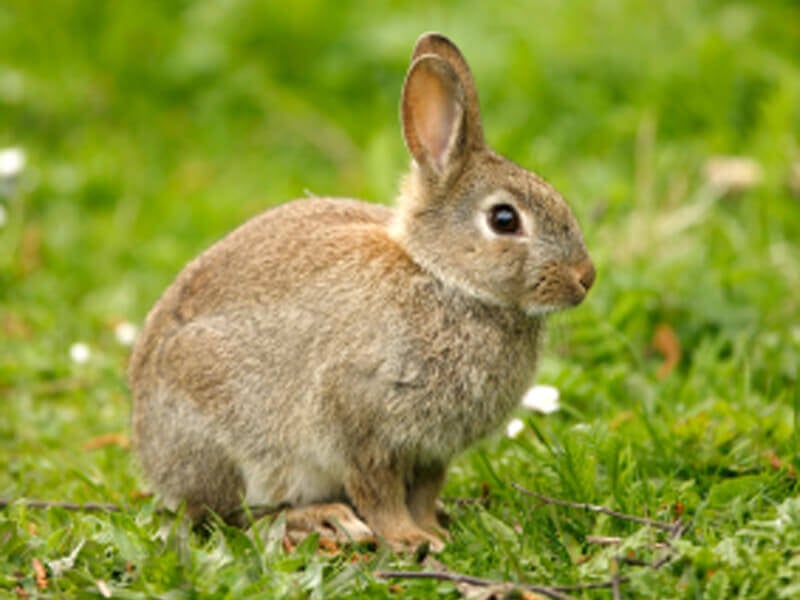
{"x":192,"y":468}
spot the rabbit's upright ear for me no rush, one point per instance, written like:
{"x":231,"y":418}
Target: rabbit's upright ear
{"x":438,"y":45}
{"x":433,"y":113}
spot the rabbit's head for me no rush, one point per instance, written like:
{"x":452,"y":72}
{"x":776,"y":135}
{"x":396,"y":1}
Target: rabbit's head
{"x":476,"y":220}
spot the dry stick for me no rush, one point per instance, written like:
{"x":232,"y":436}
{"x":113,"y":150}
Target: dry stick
{"x":672,"y":528}
{"x":552,"y":591}
{"x":258,"y":511}
{"x":604,"y":540}
{"x":88,"y":506}
{"x":549,"y":591}
{"x":579,"y":587}
{"x":615,"y":587}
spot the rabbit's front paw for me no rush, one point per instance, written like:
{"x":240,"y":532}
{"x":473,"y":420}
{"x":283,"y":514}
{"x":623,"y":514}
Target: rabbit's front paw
{"x":334,"y":521}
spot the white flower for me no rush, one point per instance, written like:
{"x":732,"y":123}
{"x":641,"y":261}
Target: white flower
{"x":542,"y":398}
{"x":80,"y":353}
{"x":60,"y":566}
{"x":514,"y":428}
{"x":12,"y":161}
{"x":125,"y":333}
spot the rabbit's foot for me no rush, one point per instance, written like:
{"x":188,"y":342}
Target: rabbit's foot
{"x":334,"y":521}
{"x":429,"y":521}
{"x":410,"y":537}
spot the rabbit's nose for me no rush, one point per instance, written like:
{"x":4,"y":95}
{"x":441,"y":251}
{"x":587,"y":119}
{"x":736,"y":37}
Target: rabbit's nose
{"x":585,"y":274}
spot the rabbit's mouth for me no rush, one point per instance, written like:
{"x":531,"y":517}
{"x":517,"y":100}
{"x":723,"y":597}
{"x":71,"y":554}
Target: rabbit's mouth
{"x":558,"y":287}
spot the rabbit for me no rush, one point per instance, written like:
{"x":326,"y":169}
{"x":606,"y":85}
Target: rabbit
{"x":332,"y":356}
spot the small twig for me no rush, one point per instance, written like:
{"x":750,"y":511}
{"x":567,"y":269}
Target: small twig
{"x":669,"y":527}
{"x":257,"y":510}
{"x":551,"y":591}
{"x":634,"y":562}
{"x":613,"y":540}
{"x":439,"y":576}
{"x":604,"y":540}
{"x":597,"y":585}
{"x":87,"y":506}
{"x":615,"y":587}
{"x":666,"y":555}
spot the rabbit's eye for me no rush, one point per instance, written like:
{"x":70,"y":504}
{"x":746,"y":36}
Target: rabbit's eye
{"x":503,"y":219}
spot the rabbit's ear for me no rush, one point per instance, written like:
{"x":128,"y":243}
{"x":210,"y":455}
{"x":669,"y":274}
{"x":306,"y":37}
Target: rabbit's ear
{"x":439,"y":45}
{"x":433,"y":116}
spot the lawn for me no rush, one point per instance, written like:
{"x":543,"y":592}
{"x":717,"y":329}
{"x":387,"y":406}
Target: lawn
{"x":150,"y":129}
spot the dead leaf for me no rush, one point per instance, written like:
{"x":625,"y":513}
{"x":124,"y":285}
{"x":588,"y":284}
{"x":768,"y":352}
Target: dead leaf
{"x":359,"y":557}
{"x":30,"y":249}
{"x":329,"y":547}
{"x":621,"y":418}
{"x":529,"y":595}
{"x":107,"y":439}
{"x":140,"y":495}
{"x":21,"y":593}
{"x":288,"y":544}
{"x":667,"y":344}
{"x":779,"y":464}
{"x":40,"y":574}
{"x":730,"y":174}
{"x":15,"y":327}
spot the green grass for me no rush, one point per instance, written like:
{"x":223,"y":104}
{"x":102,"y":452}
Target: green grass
{"x":151,"y":129}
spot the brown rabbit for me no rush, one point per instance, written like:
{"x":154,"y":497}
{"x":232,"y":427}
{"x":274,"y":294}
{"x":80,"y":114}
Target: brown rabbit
{"x":331,"y":353}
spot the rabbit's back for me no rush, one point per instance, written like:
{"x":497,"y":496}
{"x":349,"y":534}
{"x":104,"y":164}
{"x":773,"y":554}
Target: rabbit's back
{"x":261,"y":262}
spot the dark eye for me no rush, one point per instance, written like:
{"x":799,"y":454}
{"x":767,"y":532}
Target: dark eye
{"x":503,"y":219}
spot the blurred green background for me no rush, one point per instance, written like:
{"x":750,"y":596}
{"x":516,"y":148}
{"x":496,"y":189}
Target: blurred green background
{"x":150,"y":129}
{"x":153,"y":127}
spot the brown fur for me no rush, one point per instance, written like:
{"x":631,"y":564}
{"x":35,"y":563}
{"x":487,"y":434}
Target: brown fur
{"x":334,"y":351}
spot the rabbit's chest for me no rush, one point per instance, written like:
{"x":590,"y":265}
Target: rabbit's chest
{"x":468,"y":390}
